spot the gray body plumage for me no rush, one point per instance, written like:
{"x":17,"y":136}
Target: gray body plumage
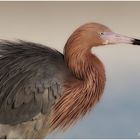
{"x":31,"y":79}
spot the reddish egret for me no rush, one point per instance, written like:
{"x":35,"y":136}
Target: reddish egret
{"x":42,"y":90}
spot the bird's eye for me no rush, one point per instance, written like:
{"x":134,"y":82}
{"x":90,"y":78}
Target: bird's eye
{"x":101,"y":33}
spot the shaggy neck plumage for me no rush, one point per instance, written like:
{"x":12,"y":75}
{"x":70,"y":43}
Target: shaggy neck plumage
{"x":82,"y":91}
{"x":87,"y":68}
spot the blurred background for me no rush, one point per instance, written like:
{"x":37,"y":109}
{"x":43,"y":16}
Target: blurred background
{"x":51,"y":23}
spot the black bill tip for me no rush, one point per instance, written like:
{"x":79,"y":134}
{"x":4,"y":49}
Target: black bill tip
{"x":136,"y":42}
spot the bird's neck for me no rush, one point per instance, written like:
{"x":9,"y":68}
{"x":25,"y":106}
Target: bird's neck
{"x":84,"y":65}
{"x":83,"y":90}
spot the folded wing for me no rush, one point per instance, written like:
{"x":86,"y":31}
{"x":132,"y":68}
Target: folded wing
{"x":31,"y":79}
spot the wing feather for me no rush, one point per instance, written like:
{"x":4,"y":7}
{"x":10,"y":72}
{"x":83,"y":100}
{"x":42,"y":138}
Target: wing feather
{"x":31,"y":79}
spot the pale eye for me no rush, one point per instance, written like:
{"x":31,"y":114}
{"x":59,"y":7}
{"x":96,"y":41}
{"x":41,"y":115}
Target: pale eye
{"x":101,"y":33}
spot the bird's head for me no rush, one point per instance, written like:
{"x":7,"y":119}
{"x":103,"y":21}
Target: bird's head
{"x":96,"y":34}
{"x":91,"y":35}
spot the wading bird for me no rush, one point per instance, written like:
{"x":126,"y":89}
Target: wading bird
{"x":42,"y":90}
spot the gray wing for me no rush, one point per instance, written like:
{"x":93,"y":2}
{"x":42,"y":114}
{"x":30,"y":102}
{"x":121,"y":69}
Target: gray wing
{"x":31,"y":79}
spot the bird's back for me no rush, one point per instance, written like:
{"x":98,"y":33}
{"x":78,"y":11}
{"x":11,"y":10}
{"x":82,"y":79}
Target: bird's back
{"x":31,"y":79}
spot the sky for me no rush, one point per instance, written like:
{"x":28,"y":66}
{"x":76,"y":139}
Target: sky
{"x":50,"y":23}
